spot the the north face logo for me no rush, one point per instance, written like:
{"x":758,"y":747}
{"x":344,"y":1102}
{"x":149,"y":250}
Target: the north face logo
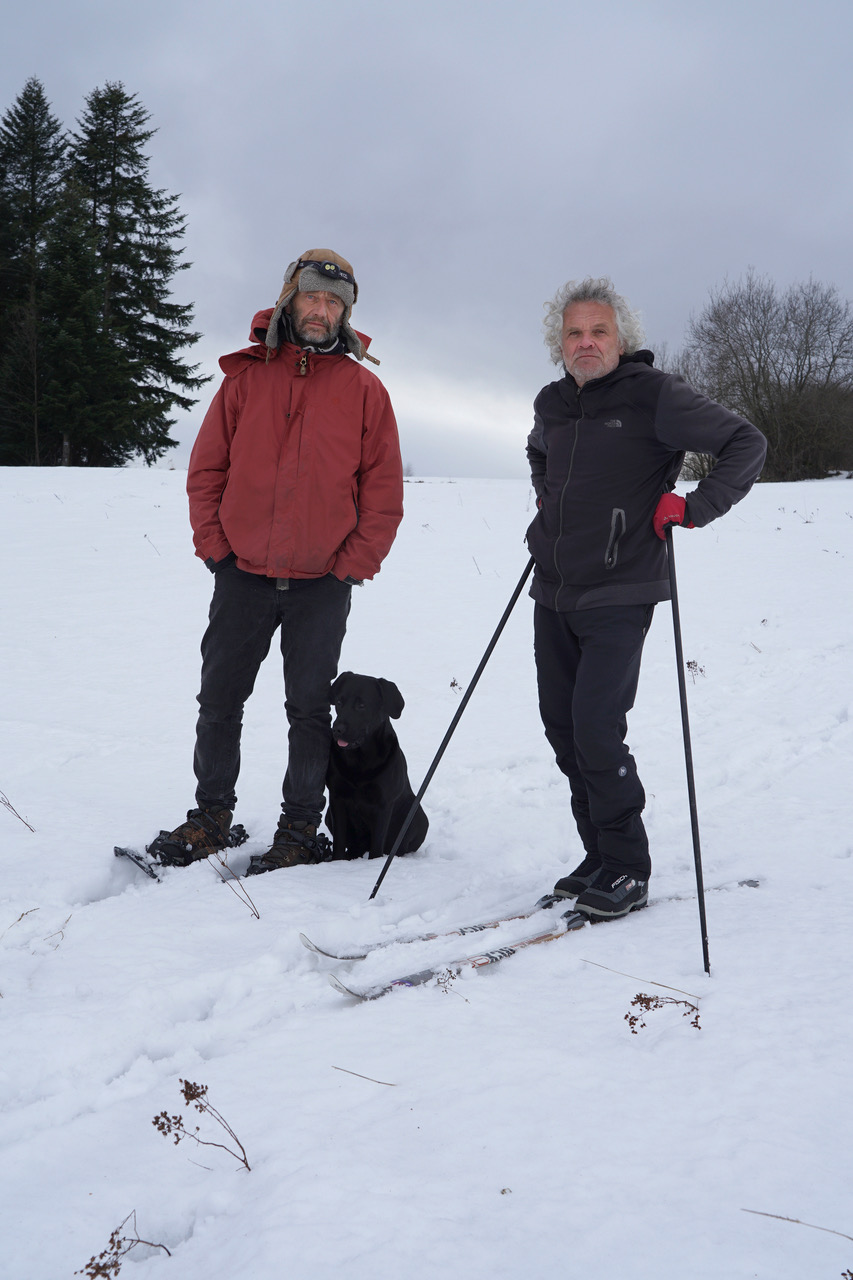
{"x":613,"y":422}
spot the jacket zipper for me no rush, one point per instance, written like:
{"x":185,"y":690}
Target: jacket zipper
{"x":562,"y":495}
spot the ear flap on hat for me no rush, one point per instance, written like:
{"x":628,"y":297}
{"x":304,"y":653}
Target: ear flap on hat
{"x":288,"y":289}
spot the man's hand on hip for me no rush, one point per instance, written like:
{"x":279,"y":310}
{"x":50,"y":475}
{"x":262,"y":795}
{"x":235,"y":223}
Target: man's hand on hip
{"x":670,"y":510}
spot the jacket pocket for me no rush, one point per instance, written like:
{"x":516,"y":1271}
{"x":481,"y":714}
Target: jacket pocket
{"x":618,"y":525}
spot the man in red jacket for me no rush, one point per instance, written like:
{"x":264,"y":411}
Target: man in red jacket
{"x":296,"y":490}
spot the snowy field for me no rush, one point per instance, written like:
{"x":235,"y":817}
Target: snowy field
{"x":508,"y":1123}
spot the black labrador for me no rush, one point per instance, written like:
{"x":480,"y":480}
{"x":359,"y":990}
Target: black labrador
{"x":370,"y":795}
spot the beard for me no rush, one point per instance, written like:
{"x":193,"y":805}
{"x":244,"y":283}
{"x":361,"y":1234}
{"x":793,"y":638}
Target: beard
{"x":312,"y":336}
{"x":585,"y":370}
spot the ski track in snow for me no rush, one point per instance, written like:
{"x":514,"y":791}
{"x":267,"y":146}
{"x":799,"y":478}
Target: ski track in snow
{"x":509,"y":1123}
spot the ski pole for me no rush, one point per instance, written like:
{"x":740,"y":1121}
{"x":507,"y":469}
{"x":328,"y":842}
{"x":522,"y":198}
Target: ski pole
{"x":688,"y":752}
{"x":454,"y":722}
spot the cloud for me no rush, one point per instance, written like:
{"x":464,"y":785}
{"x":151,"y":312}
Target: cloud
{"x":470,"y":158}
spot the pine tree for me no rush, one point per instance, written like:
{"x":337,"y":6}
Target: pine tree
{"x":135,"y":229}
{"x":86,"y":373}
{"x":32,"y":168}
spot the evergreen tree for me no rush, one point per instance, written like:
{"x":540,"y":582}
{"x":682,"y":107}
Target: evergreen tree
{"x":32,"y":167}
{"x":86,"y":373}
{"x":135,"y":229}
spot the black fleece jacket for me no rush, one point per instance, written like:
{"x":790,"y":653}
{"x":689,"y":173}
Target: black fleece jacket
{"x":601,"y":456}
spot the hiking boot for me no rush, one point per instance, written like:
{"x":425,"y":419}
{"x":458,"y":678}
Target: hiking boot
{"x":294,"y":844}
{"x":205,"y":831}
{"x":581,"y":878}
{"x":613,"y":894}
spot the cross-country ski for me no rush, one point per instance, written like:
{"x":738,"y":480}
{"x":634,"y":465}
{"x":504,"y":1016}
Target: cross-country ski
{"x":548,"y":900}
{"x":569,"y":922}
{"x":543,"y":904}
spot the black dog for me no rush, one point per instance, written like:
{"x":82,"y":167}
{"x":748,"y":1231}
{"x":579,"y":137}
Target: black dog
{"x":370,"y":795}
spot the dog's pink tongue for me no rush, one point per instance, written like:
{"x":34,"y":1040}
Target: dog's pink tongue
{"x":341,"y":743}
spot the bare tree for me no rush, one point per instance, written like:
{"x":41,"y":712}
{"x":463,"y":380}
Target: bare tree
{"x":785,"y":361}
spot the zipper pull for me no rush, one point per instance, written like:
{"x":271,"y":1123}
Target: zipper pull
{"x":303,"y":364}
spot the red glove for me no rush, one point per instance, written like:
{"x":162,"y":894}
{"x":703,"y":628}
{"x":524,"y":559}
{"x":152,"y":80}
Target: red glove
{"x":670,"y":510}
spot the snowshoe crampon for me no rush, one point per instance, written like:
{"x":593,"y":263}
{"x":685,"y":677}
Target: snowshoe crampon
{"x":165,"y":851}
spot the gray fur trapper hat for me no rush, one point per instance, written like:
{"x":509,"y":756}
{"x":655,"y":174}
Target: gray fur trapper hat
{"x":320,"y":270}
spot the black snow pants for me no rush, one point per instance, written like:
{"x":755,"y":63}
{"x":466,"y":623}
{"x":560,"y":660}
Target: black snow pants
{"x":588,"y":667}
{"x":245,"y":613}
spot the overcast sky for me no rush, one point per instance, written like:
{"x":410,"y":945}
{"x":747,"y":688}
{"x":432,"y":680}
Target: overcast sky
{"x":468,"y":158}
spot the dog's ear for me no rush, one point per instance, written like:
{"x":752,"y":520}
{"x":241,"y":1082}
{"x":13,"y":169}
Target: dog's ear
{"x":392,"y":699}
{"x":338,"y":684}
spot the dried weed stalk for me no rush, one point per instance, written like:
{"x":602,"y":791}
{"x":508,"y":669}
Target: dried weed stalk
{"x":234,"y":883}
{"x":7,"y":804}
{"x":196,"y":1095}
{"x":390,"y":1084}
{"x":18,"y":921}
{"x":108,"y":1263}
{"x":446,"y":979}
{"x":60,"y":933}
{"x":646,"y":1003}
{"x":780,"y":1217}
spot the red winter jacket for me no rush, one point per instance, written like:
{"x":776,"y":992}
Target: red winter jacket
{"x":296,"y":467}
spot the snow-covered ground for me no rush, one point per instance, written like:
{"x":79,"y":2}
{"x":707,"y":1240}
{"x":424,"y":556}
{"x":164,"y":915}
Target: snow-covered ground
{"x":504,"y":1124}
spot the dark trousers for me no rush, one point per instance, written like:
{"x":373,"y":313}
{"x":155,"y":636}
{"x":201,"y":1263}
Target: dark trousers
{"x":588,"y":666}
{"x":245,"y":613}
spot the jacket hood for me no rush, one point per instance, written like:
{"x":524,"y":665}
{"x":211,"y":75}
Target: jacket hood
{"x":237,"y":360}
{"x":638,"y":357}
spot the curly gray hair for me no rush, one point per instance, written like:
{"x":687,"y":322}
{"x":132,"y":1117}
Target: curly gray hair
{"x":591,"y":289}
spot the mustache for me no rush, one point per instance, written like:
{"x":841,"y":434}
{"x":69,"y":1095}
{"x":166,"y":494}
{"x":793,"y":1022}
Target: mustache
{"x":330,"y":330}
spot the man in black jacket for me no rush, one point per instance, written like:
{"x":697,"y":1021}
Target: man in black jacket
{"x":605,"y":452}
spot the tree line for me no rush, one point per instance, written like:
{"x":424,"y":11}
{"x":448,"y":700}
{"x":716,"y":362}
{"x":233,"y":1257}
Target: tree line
{"x":783,"y":358}
{"x":91,"y":339}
